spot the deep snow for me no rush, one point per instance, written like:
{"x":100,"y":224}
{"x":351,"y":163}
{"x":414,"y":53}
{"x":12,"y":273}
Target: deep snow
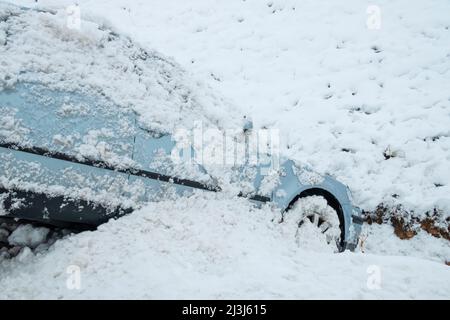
{"x":211,"y":247}
{"x":342,"y":96}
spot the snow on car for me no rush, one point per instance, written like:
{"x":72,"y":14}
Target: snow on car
{"x":86,"y":134}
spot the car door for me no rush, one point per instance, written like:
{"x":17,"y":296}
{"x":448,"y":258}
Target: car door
{"x":165,"y":168}
{"x":64,"y":143}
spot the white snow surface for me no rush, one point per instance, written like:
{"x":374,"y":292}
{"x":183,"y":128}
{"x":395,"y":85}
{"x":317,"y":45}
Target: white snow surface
{"x":27,"y":235}
{"x":314,"y":71}
{"x":211,"y":247}
{"x":96,"y":61}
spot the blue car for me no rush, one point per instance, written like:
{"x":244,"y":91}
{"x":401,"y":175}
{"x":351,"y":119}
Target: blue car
{"x":71,"y":158}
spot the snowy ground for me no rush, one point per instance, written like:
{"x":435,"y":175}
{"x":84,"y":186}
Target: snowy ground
{"x":341,"y":94}
{"x":210,"y":247}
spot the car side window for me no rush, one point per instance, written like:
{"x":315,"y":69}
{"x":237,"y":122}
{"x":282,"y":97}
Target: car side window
{"x":81,"y":125}
{"x":160,"y":153}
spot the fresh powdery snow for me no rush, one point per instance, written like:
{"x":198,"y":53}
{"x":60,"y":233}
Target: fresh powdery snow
{"x":215,"y":247}
{"x":97,"y":61}
{"x":365,"y":100}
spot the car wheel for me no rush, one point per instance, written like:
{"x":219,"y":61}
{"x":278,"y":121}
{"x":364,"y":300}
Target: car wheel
{"x":315,"y":222}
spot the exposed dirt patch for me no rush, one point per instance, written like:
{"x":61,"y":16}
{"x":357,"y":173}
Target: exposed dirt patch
{"x":402,"y":229}
{"x":429,"y":226}
{"x":406,"y":223}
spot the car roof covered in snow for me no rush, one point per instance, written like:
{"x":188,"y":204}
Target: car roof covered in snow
{"x":38,"y":46}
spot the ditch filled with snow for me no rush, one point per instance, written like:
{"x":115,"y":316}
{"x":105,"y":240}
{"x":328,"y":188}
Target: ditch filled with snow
{"x":210,"y":247}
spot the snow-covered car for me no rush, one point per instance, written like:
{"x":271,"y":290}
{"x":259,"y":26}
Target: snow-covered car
{"x":78,"y":148}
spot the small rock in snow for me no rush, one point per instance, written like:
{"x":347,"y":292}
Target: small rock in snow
{"x":27,"y":235}
{"x":4,"y":235}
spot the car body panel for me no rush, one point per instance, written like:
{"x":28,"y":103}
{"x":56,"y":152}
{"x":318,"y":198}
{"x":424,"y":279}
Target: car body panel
{"x":69,"y":122}
{"x":39,"y":173}
{"x":294,"y":181}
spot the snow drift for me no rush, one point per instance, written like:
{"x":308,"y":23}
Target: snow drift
{"x":211,"y":247}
